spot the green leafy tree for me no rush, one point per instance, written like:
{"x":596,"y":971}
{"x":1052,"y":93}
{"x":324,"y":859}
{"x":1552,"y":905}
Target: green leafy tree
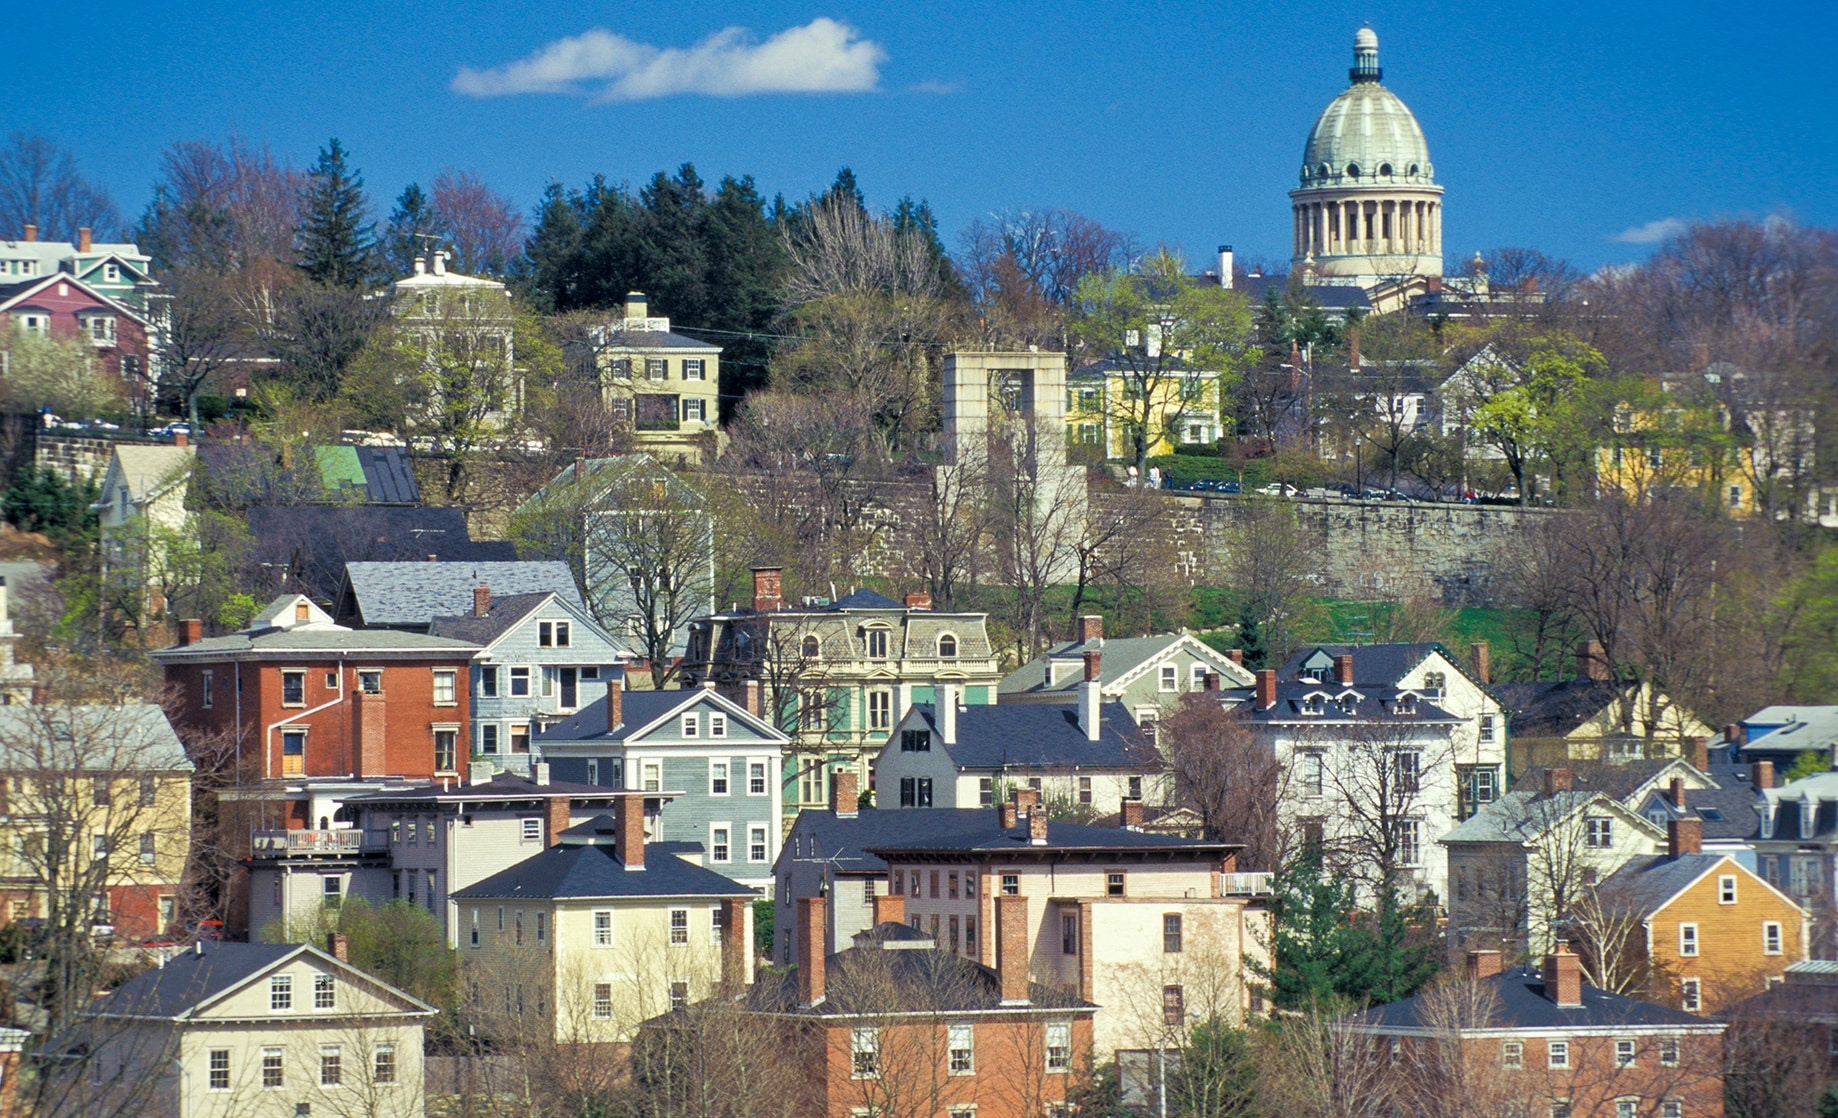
{"x":43,"y":500}
{"x":1323,"y":947}
{"x":337,"y":242}
{"x":1531,"y":407}
{"x":1216,"y":1076}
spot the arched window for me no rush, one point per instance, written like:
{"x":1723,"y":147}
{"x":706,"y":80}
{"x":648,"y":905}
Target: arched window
{"x":1352,"y":170}
{"x":877,"y":644}
{"x":812,"y":648}
{"x":1385,"y":169}
{"x":947,"y":647}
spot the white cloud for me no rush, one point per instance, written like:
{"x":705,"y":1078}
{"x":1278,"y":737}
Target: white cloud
{"x":823,"y":56}
{"x":1652,"y":232}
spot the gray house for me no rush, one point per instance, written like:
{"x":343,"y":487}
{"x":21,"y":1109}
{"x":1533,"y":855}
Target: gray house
{"x":541,"y":657}
{"x":1148,"y":675}
{"x":409,"y":596}
{"x":718,"y":762}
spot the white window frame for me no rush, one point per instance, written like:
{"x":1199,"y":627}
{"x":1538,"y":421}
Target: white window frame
{"x":280,"y":993}
{"x":1169,"y":678}
{"x":1058,"y":1056}
{"x":1691,"y":994}
{"x":720,"y":778}
{"x":763,"y":845}
{"x":690,"y":726}
{"x":1627,"y":1051}
{"x":721,"y":844}
{"x":602,"y":927}
{"x":530,"y":829}
{"x":1726,"y":888}
{"x":865,"y":1043}
{"x":960,"y":1037}
{"x":1668,"y":1051}
{"x":602,"y":1007}
{"x":679,"y":927}
{"x":446,"y":679}
{"x":1557,"y":1052}
{"x":1772,"y":939}
{"x":757,"y":787}
{"x":1512,"y":1053}
{"x":1688,"y":941}
{"x":717,"y":725}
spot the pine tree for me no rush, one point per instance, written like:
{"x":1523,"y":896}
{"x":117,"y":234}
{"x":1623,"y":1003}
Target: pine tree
{"x":916,"y":219}
{"x":744,"y":257}
{"x":414,"y":230}
{"x":1251,"y":637}
{"x":548,"y":276}
{"x":336,"y":245}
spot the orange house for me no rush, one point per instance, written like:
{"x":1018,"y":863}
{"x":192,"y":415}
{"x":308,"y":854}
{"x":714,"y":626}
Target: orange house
{"x":1715,"y":932}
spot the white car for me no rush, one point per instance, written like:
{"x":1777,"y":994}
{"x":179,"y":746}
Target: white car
{"x":1278,"y":489}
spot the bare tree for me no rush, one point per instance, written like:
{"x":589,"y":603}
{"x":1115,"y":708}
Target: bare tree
{"x":1023,"y":266}
{"x":40,"y":185}
{"x":482,"y":226}
{"x":1231,"y":777}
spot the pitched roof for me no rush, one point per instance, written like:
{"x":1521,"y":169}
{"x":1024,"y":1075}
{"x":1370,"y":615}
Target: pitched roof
{"x":245,"y":474}
{"x":1035,"y":735}
{"x":1122,"y":656}
{"x":860,"y":980}
{"x":192,"y":979}
{"x":1645,"y":883}
{"x":151,"y":470}
{"x":1521,"y":1003}
{"x":986,"y":833}
{"x":586,"y":871}
{"x":318,"y":638}
{"x":1554,"y":708}
{"x":861,"y":598}
{"x":137,"y":735}
{"x":501,"y":616}
{"x":640,"y":709}
{"x":1372,"y":663}
{"x":1523,"y":814}
{"x":1795,"y":728}
{"x":1619,"y":779}
{"x":1333,"y":297}
{"x":1372,"y":705}
{"x":416,"y":593}
{"x":842,"y":840}
{"x":314,"y":542}
{"x":502,"y":786}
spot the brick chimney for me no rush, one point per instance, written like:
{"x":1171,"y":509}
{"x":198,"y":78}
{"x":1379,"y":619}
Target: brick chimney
{"x":191,"y":631}
{"x":1761,"y":774}
{"x":371,"y":758}
{"x":1343,"y":670}
{"x":734,"y":942}
{"x":1027,"y":799}
{"x":1012,"y":949}
{"x":749,"y":697}
{"x":1732,"y":733}
{"x":845,"y":795}
{"x":889,"y":908}
{"x":1558,"y":780}
{"x":1482,"y":658}
{"x":31,"y":234}
{"x":1211,"y":681}
{"x":1563,"y":977}
{"x":85,"y":238}
{"x":1131,"y":817}
{"x":1697,"y":753}
{"x":336,"y":945}
{"x":181,"y":440}
{"x":1266,"y":689}
{"x":557,"y":810}
{"x":1090,"y":628}
{"x":1236,"y":656}
{"x":1006,"y":815}
{"x":1684,"y":836}
{"x":481,"y":601}
{"x":1036,"y":826}
{"x":812,"y":922}
{"x":918,"y":599}
{"x":1483,"y":964}
{"x":1591,"y":661}
{"x":1676,"y":793}
{"x":629,"y":832}
{"x":768,"y":590}
{"x":615,"y":705}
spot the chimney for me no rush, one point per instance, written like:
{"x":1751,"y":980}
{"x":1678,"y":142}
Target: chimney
{"x":31,"y":233}
{"x":1483,"y":964}
{"x":336,"y":945}
{"x":481,"y":601}
{"x":1036,"y":826}
{"x":1090,"y":704}
{"x":1266,"y":689}
{"x":1697,"y":752}
{"x":1732,"y":733}
{"x":1558,"y":780}
{"x":84,"y":239}
{"x":1006,"y":813}
{"x":768,"y":593}
{"x":1343,"y":670}
{"x":749,"y":694}
{"x":1131,"y":817}
{"x":191,"y":631}
{"x":845,"y":797}
{"x":636,"y":305}
{"x":1225,"y":266}
{"x":1563,"y":977}
{"x":1090,"y":628}
{"x":1211,"y":681}
{"x":1591,"y":661}
{"x":1684,"y":836}
{"x":1761,"y":774}
{"x":1676,"y":793}
{"x":557,"y":811}
{"x":421,"y":265}
{"x":4,"y":605}
{"x":615,"y":705}
{"x":1025,"y":797}
{"x":734,"y":942}
{"x":1482,"y":657}
{"x":480,"y":772}
{"x":812,"y":920}
{"x":372,"y":729}
{"x":440,"y":263}
{"x":1236,"y":656}
{"x":1012,"y":949}
{"x":918,"y":599}
{"x":542,"y":772}
{"x":889,"y":908}
{"x":629,"y":838}
{"x":181,"y":440}
{"x":945,"y":711}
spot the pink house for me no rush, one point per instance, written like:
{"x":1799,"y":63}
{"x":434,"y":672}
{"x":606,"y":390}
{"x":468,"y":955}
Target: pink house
{"x":61,"y":305}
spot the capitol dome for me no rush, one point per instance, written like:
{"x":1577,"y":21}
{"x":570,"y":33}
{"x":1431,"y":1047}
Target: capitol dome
{"x":1366,"y":135}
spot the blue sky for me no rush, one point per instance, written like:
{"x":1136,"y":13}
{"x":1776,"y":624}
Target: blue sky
{"x":1562,"y":126}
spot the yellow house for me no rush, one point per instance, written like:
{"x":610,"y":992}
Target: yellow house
{"x":1594,"y":718}
{"x":1665,"y":450}
{"x":598,"y":934}
{"x":666,"y":385}
{"x":1104,"y":408}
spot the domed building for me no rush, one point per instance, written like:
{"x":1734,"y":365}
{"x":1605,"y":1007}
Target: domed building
{"x":1368,"y":212}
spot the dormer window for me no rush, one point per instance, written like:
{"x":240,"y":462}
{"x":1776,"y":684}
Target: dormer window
{"x":1311,"y":704}
{"x":1407,"y":703}
{"x":877,"y":643}
{"x":947,"y":647}
{"x":111,"y":273}
{"x":811,"y":648}
{"x":1806,"y":817}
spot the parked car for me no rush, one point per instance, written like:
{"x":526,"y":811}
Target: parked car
{"x":170,"y":430}
{"x":1278,"y":489}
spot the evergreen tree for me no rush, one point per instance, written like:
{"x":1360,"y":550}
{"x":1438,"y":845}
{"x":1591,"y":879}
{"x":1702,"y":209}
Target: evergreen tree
{"x":916,"y":219}
{"x":670,"y":255}
{"x":1323,"y":948}
{"x":414,"y":229}
{"x":548,"y":276}
{"x":744,"y":257}
{"x":1251,"y":637}
{"x":336,"y":244}
{"x":41,"y":500}
{"x":844,"y":188}
{"x":1216,"y":1076}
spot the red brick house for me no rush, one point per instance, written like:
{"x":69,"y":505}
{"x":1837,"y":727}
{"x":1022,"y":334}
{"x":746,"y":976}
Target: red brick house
{"x":294,"y":695}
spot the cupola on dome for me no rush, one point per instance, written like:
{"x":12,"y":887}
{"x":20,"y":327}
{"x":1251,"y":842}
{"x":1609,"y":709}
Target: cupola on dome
{"x":1366,"y":135}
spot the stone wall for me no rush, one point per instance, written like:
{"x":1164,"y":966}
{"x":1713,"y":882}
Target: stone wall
{"x":76,"y":457}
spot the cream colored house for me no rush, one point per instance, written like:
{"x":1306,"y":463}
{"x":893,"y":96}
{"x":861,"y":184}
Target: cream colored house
{"x":140,"y":512}
{"x":228,"y":1030}
{"x":1594,"y":718}
{"x":667,"y":385}
{"x":1148,"y":675}
{"x":597,"y":934}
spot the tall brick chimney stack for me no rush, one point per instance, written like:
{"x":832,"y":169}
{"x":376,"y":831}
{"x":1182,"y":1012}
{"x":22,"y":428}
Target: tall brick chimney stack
{"x":1761,"y":774}
{"x":31,"y":234}
{"x":1343,"y":670}
{"x":1012,"y":949}
{"x":1483,"y":964}
{"x":85,"y":239}
{"x":889,"y":908}
{"x":615,"y":705}
{"x":1090,"y":628}
{"x":1211,"y":681}
{"x":1684,"y":836}
{"x":481,"y":601}
{"x":845,"y":794}
{"x":1558,"y":780}
{"x":768,"y":590}
{"x":1236,"y":656}
{"x":1697,"y":753}
{"x":191,"y":631}
{"x":1266,"y":689}
{"x":1563,"y":977}
{"x":813,"y":918}
{"x":1482,"y":657}
{"x":1591,"y":661}
{"x":338,"y":947}
{"x":1676,"y":793}
{"x":629,"y":837}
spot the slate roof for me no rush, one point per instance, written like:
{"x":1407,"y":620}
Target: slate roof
{"x":241,"y":474}
{"x":501,"y":616}
{"x":653,"y":339}
{"x":137,"y":735}
{"x":502,"y":786}
{"x":314,"y":639}
{"x":640,"y":708}
{"x":1554,"y":708}
{"x":1372,"y":663}
{"x":314,"y":542}
{"x":1619,"y":779}
{"x":842,"y":840}
{"x":862,"y":598}
{"x":191,"y":979}
{"x":1032,"y":735}
{"x":1521,"y":1004}
{"x":586,"y":871}
{"x":1793,"y":729}
{"x":1122,"y":655}
{"x":1334,"y":297}
{"x":1373,"y":705}
{"x":1643,"y":884}
{"x":413,"y":594}
{"x":1511,"y":818}
{"x":858,"y":980}
{"x":986,"y":834}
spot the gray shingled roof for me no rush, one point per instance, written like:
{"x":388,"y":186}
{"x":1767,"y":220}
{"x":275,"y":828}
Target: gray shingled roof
{"x":1373,"y":705}
{"x":862,"y":598}
{"x":502,"y":786}
{"x":1372,"y":663}
{"x":1643,"y":884}
{"x":1033,"y":735}
{"x":1554,"y":708}
{"x":639,"y":708}
{"x":1520,"y":815}
{"x":314,"y":542}
{"x":1521,"y":1003}
{"x":1122,"y":655}
{"x":134,"y":736}
{"x":986,"y":833}
{"x":191,"y":979}
{"x":842,"y":840}
{"x":328,"y":639}
{"x":585,"y":871}
{"x":860,"y":980}
{"x":501,"y":616}
{"x":411,"y":594}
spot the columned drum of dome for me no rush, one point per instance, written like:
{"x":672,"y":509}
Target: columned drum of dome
{"x":1368,"y":210}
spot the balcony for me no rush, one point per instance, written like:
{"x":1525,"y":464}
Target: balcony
{"x":292,"y":844}
{"x":1248,"y":884}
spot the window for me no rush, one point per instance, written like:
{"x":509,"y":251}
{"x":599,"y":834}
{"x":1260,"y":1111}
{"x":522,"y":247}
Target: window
{"x":293,"y":689}
{"x":1599,"y":832}
{"x":717,"y":778}
{"x":1059,"y":1046}
{"x":603,"y":928}
{"x":1011,"y":885}
{"x":692,"y":369}
{"x":325,"y":987}
{"x":1672,"y":1108}
{"x":473,"y":938}
{"x":488,"y":739}
{"x":756,"y":779}
{"x":552,"y":634}
{"x":718,"y":846}
{"x":603,"y":1000}
{"x":985,"y":791}
{"x":960,"y":1044}
{"x":915,"y":791}
{"x":1557,"y":1053}
{"x":1084,"y":789}
{"x":1690,"y":995}
{"x":810,"y":648}
{"x":446,"y":751}
{"x":679,"y":927}
{"x":717,"y":725}
{"x":1170,"y":677}
{"x":1726,"y":888}
{"x":520,"y":683}
{"x":273,"y":1074}
{"x":679,"y":995}
{"x":880,"y":710}
{"x":653,"y":776}
{"x":1771,"y":937}
{"x":947,"y":647}
{"x":1311,"y":772}
{"x":1560,"y":1108}
{"x":331,"y":1066}
{"x":757,"y":847}
{"x":281,"y":992}
{"x":1410,"y":842}
{"x":1735,"y":496}
{"x":1512,"y":1053}
{"x":1113,"y":883}
{"x":1668,"y":1051}
{"x":520,"y":737}
{"x":1174,"y":1005}
{"x":865,"y":1053}
{"x":695,"y":410}
{"x":532,"y":828}
{"x":1405,"y":764}
{"x":385,"y":1066}
{"x":877,"y":644}
{"x":1069,"y":934}
{"x":656,"y":368}
{"x":1687,"y":939}
{"x":811,"y":706}
{"x":1435,"y":682}
{"x":146,"y":849}
{"x":488,"y":682}
{"x":209,"y":680}
{"x":219,"y":1063}
{"x":1486,"y":727}
{"x":1624,"y":1052}
{"x":444,"y":689}
{"x":1171,"y":933}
